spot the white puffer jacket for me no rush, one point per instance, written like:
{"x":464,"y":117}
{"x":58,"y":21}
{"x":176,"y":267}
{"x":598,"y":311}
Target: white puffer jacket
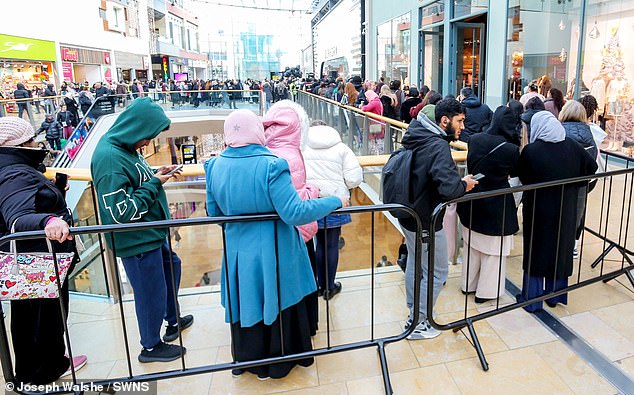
{"x":330,"y":164}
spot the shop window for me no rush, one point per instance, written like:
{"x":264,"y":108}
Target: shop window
{"x":432,"y":13}
{"x":542,"y":42}
{"x":468,"y":7}
{"x":171,"y":32}
{"x":393,"y":50}
{"x":189,"y":40}
{"x":607,"y":71}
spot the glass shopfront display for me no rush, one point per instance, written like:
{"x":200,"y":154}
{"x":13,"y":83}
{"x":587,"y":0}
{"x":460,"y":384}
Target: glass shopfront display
{"x":431,"y":63}
{"x":607,"y":69}
{"x":468,"y":7}
{"x":542,"y":42}
{"x":394,"y":49}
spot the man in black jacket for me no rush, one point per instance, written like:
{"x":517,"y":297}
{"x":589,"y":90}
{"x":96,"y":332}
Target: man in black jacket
{"x":22,"y":93}
{"x":435,"y":177}
{"x":477,"y":115}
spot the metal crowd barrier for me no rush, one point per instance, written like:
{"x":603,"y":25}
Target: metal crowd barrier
{"x":109,"y":230}
{"x":613,"y":237}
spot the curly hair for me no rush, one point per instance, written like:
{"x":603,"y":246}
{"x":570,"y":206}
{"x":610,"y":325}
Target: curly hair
{"x":590,"y":104}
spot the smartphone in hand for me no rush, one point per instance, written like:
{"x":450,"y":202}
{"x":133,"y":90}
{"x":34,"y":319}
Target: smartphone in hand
{"x":61,"y":182}
{"x":174,"y":170}
{"x":478,"y":176}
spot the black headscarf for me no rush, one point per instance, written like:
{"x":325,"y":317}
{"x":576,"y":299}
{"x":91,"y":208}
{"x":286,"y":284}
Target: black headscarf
{"x":504,"y":123}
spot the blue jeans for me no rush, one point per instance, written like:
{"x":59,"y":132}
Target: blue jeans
{"x":150,"y":275}
{"x":327,"y":254}
{"x":441,"y":270}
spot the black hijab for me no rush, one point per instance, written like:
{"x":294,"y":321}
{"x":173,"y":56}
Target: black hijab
{"x":504,"y":123}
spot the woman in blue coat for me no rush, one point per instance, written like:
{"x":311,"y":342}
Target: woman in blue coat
{"x":248,"y":179}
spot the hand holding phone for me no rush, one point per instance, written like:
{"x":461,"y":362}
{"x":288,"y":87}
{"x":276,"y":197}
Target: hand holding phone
{"x":478,"y":176}
{"x":61,"y":182}
{"x":174,"y":170}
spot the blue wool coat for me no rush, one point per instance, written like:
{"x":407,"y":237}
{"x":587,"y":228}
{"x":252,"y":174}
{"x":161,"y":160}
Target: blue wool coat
{"x":251,"y":180}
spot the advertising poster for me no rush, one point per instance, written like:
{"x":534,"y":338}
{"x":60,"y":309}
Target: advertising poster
{"x":189,"y":154}
{"x":67,"y":70}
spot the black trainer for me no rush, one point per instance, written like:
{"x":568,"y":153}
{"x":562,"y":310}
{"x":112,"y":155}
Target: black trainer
{"x":331,"y":293}
{"x":162,"y":352}
{"x":171,"y":333}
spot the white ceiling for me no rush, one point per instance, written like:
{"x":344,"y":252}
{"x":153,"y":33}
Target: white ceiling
{"x":285,"y":5}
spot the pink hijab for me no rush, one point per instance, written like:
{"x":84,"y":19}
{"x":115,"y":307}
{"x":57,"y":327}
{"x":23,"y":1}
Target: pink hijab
{"x":242,"y":128}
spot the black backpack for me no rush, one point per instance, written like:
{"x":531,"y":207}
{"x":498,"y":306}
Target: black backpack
{"x":396,"y":183}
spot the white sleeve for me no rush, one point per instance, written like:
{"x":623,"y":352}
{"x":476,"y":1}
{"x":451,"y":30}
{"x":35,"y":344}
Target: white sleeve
{"x":352,"y":172}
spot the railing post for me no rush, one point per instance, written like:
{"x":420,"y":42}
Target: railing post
{"x":365,"y":135}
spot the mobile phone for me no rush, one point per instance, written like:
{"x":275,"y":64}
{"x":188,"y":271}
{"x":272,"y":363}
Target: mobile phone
{"x":478,"y":176}
{"x":174,"y":170}
{"x":61,"y":180}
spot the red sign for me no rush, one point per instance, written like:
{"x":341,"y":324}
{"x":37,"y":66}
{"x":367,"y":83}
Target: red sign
{"x":70,"y":55}
{"x":106,"y":57}
{"x":67,"y":71}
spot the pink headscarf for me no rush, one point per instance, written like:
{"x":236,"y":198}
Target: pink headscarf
{"x":371,"y":95}
{"x":242,"y":128}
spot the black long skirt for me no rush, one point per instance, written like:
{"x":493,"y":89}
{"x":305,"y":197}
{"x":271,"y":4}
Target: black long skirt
{"x":312,"y":303}
{"x":264,"y":341}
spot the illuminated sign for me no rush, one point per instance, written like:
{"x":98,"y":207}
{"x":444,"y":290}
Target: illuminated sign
{"x":106,"y":57}
{"x":70,"y":55}
{"x":166,"y":69}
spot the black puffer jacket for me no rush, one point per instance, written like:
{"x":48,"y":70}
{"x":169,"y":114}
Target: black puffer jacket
{"x":29,"y":198}
{"x":581,"y":133}
{"x":52,"y":128}
{"x":477,"y":117}
{"x":434,"y":174}
{"x":21,"y":93}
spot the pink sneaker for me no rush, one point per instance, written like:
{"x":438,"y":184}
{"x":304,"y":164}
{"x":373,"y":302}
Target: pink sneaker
{"x":79,"y":362}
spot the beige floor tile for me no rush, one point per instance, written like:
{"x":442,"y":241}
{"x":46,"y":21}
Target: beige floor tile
{"x":519,"y":371}
{"x":224,"y":383}
{"x":579,"y":376}
{"x":517,"y":328}
{"x":198,"y":384}
{"x":626,"y":365}
{"x":618,"y":316}
{"x":600,"y":335}
{"x":330,"y":389}
{"x":103,"y":341}
{"x":209,"y":328}
{"x":450,"y":346}
{"x":193,"y":358}
{"x":347,"y":366}
{"x":429,"y":380}
{"x":353,"y":309}
{"x":593,"y":297}
{"x":399,"y":354}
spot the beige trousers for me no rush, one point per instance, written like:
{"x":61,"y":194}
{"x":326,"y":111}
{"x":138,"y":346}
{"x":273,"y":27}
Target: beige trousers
{"x":483,"y":273}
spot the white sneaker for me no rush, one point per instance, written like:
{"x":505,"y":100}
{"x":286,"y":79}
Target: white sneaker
{"x":575,"y":251}
{"x":423,"y":331}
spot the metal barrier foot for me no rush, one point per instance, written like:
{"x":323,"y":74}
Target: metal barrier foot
{"x":476,"y":345}
{"x":384,"y":368}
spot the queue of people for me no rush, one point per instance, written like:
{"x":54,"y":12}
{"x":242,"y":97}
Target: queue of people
{"x":303,"y":173}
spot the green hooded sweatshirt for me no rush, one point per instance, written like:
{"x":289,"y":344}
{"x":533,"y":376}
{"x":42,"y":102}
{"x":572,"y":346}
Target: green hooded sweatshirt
{"x":127,"y":190}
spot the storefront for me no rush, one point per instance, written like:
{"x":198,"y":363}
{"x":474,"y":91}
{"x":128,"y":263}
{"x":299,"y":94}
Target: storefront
{"x":130,"y":66}
{"x":83,"y":64}
{"x":25,"y":60}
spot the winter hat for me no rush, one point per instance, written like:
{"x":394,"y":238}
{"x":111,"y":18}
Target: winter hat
{"x":242,"y":128}
{"x":15,"y":131}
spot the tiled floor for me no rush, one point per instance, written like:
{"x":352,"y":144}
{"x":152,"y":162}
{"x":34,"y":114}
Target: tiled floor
{"x":524,"y":357}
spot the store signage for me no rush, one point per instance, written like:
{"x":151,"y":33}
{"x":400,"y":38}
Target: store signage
{"x":70,"y":55}
{"x":102,"y":106}
{"x":14,"y":47}
{"x":106,"y":57}
{"x":67,"y":71}
{"x":189,"y":154}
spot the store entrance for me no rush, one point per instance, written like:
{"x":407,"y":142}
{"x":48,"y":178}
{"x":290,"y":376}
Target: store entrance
{"x":469,"y":55}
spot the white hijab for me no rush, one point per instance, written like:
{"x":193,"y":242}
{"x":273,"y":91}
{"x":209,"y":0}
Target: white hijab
{"x":545,"y":127}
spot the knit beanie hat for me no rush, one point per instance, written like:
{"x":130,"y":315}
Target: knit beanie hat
{"x":15,"y":131}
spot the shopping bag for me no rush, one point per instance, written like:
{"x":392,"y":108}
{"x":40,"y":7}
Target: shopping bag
{"x":31,"y":275}
{"x":376,"y":128}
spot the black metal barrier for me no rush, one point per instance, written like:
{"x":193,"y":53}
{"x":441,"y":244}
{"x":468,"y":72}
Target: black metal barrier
{"x":613,"y":237}
{"x":109,"y":230}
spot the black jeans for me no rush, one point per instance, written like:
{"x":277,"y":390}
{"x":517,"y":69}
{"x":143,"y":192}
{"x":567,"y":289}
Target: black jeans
{"x":327,"y":254}
{"x":55,"y":144}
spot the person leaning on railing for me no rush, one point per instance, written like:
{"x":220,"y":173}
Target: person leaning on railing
{"x":29,"y":201}
{"x":550,"y":219}
{"x":246,"y":178}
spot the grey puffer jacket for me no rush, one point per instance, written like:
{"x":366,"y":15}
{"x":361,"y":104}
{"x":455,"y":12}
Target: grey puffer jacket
{"x":581,"y":133}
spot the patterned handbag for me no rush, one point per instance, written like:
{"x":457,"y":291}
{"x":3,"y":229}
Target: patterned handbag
{"x":31,"y":275}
